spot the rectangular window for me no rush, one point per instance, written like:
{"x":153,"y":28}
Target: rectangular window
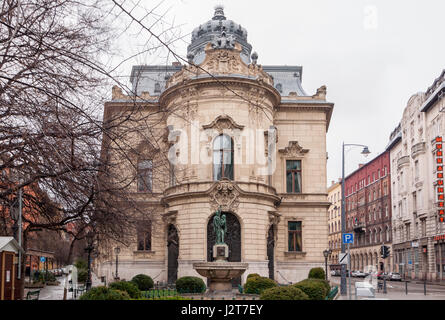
{"x":145,"y":175}
{"x":295,"y":239}
{"x":293,"y":176}
{"x":144,"y":236}
{"x":423,"y":226}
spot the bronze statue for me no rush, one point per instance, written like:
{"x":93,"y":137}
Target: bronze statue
{"x":219,"y":226}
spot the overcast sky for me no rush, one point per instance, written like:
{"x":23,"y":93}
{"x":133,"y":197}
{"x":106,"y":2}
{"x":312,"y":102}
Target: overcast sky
{"x":372,"y":55}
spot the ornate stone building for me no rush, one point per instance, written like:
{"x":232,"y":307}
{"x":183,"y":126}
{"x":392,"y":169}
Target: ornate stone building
{"x":418,"y":234}
{"x":238,"y":135}
{"x":334,"y":221}
{"x":368,"y":213}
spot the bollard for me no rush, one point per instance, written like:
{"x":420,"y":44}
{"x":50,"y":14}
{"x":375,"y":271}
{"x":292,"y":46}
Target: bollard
{"x":406,"y":287}
{"x":424,"y":287}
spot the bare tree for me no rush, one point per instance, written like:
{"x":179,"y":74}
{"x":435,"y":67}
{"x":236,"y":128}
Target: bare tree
{"x":54,"y":74}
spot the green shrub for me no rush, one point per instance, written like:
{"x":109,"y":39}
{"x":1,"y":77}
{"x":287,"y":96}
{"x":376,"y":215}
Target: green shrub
{"x":317,"y":273}
{"x":190,"y":285}
{"x":104,"y":293}
{"x":143,"y":282}
{"x":257,"y":285}
{"x":127,"y":286}
{"x":82,"y":275}
{"x":81,"y":264}
{"x":316,"y":290}
{"x":252,"y":275}
{"x":284,"y":293}
{"x":325,"y":283}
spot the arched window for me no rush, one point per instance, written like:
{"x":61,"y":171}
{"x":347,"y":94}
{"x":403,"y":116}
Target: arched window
{"x":223,"y":158}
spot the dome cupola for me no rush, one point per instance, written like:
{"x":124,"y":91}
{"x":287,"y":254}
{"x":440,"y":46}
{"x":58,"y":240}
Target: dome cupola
{"x":217,"y":28}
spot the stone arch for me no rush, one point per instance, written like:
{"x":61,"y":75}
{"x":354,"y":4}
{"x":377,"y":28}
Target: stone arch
{"x":232,"y":239}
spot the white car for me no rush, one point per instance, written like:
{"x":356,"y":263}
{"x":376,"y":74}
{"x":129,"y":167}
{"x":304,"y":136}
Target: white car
{"x":394,"y":276}
{"x":360,"y":274}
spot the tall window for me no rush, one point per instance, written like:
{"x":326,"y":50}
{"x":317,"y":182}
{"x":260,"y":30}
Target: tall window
{"x":295,"y":239}
{"x":144,"y":236}
{"x":223,"y":158}
{"x":293,"y":176}
{"x":145,"y":175}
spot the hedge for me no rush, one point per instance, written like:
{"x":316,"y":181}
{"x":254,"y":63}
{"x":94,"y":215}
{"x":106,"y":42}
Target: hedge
{"x":143,"y":282}
{"x":284,"y":293}
{"x":252,"y":275}
{"x":190,"y":285}
{"x":316,"y":290}
{"x":257,"y":285}
{"x":317,"y":273}
{"x":127,"y":286}
{"x":104,"y":293}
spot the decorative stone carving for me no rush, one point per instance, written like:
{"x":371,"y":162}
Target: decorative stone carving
{"x":223,"y":122}
{"x":221,"y":61}
{"x":117,"y":94}
{"x":321,"y":93}
{"x":170,"y":217}
{"x":224,"y":195}
{"x":274,"y":217}
{"x":223,"y":42}
{"x":293,"y":150}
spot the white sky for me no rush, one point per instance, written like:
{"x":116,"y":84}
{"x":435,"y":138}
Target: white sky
{"x":372,"y":55}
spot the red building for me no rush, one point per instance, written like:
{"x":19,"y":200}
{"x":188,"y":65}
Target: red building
{"x":368,"y":213}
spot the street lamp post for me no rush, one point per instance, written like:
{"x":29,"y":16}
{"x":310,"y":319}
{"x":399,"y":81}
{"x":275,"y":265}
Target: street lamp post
{"x":365,"y":152}
{"x":326,"y":254}
{"x":89,"y":248}
{"x":117,"y":250}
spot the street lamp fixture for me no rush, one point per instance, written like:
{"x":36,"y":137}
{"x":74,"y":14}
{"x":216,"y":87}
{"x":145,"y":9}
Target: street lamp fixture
{"x":364,"y":152}
{"x":326,"y":254}
{"x":117,"y":250}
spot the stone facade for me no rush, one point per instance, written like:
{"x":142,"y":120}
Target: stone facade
{"x":368,"y":213}
{"x":225,"y":96}
{"x":334,"y":221}
{"x":418,"y":248}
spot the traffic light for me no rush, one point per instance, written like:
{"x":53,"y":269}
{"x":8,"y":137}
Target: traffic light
{"x":384,"y":252}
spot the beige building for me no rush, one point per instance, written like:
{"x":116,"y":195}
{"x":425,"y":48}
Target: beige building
{"x":418,"y":247}
{"x":334,"y":221}
{"x":237,"y":135}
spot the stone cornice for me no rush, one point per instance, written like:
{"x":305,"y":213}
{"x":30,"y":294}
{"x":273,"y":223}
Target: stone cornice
{"x":219,"y":82}
{"x":179,"y":191}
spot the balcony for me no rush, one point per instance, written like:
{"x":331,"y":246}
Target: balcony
{"x":418,"y":149}
{"x":359,"y":227}
{"x":402,"y":161}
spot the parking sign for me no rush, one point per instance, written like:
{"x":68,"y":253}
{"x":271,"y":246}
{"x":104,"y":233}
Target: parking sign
{"x":348,"y":238}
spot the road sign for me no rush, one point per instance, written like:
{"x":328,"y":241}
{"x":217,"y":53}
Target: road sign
{"x":343,"y":258}
{"x":348,"y":238}
{"x":42,"y":259}
{"x":410,"y":262}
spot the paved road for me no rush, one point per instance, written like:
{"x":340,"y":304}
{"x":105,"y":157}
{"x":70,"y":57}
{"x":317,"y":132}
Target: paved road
{"x":396,"y":290}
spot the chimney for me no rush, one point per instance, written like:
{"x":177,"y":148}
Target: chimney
{"x":361,"y":165}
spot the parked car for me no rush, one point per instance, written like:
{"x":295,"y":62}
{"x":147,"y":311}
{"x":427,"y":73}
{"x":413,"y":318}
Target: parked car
{"x":394,"y":276}
{"x":354,"y":273}
{"x":360,"y":274}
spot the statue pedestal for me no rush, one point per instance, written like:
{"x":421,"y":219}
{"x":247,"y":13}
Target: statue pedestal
{"x":220,"y":252}
{"x":220,"y":272}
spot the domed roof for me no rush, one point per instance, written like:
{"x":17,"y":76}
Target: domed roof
{"x":213,"y":29}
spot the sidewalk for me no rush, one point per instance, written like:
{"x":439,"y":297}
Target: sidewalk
{"x":56,"y":292}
